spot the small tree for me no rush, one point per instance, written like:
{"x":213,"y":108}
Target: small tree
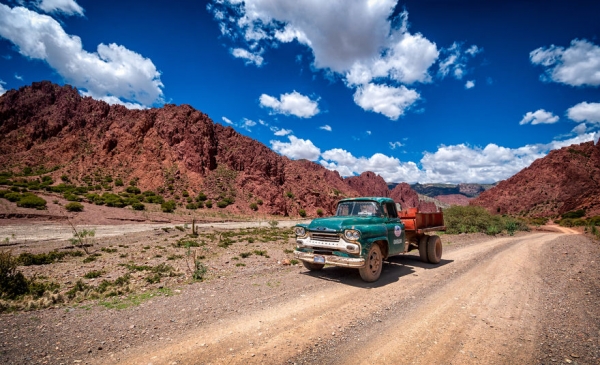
{"x":168,"y":206}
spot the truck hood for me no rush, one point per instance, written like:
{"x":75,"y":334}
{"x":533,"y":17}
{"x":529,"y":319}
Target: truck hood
{"x":338,"y":224}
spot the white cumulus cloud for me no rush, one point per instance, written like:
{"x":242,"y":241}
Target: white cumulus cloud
{"x":577,"y":65}
{"x":112,"y":70}
{"x":394,"y":145}
{"x":470,"y":84}
{"x":227,"y":120}
{"x":356,"y":41}
{"x":251,"y":58}
{"x":293,"y":103}
{"x":326,"y":127}
{"x":449,"y":164}
{"x":585,"y":112}
{"x":297,"y":148}
{"x":2,"y":89}
{"x":539,"y":117}
{"x":389,"y":101}
{"x":113,"y":100}
{"x":281,"y":132}
{"x":69,"y":7}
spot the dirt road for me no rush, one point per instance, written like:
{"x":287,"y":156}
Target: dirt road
{"x":482,"y":305}
{"x":528,"y":299}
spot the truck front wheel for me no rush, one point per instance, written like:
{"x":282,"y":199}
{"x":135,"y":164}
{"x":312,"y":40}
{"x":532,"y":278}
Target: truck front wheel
{"x":312,"y":266}
{"x":373,"y":265}
{"x":434,"y":249}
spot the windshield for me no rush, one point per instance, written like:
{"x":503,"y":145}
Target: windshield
{"x":358,"y":208}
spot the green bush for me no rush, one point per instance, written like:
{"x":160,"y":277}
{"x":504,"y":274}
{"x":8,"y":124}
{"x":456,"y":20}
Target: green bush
{"x":473,"y":219}
{"x":133,"y":190}
{"x":138,"y":206}
{"x":119,"y":182}
{"x":222,"y":204}
{"x":254,"y":206}
{"x":29,"y":200}
{"x":209,"y":203}
{"x":320,"y":212}
{"x":191,"y":206}
{"x":12,"y":197}
{"x":201,"y":197}
{"x":168,"y":206}
{"x":302,"y":213}
{"x":574,"y":214}
{"x":74,"y":207}
{"x":12,"y":282}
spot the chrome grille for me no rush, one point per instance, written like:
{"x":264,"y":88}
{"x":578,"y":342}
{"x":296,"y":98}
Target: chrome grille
{"x":324,"y":237}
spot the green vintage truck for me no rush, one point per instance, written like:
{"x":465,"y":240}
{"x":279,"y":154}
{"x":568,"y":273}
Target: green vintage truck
{"x":366,"y":231}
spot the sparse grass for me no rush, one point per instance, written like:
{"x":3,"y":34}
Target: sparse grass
{"x":245,"y":254}
{"x":93,"y":274}
{"x":134,"y":300}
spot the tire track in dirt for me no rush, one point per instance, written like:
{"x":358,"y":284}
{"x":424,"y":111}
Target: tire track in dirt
{"x":465,"y":310}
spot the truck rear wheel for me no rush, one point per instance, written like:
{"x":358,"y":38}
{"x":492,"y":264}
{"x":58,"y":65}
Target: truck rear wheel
{"x":423,"y":248}
{"x":373,"y":265}
{"x":434,"y":249}
{"x":312,"y":266}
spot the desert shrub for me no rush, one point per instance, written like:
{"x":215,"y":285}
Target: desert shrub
{"x":155,"y":199}
{"x":209,"y":204}
{"x":573,"y":222}
{"x":254,"y":206}
{"x":538,"y":221}
{"x":138,"y":206}
{"x":222,"y":204}
{"x":12,"y":196}
{"x":29,"y":200}
{"x":119,"y":182}
{"x":93,"y":274}
{"x":12,"y":282}
{"x":245,"y":254}
{"x":4,"y":192}
{"x":302,"y":213}
{"x":74,"y":207}
{"x":71,"y":197}
{"x":201,"y":197}
{"x":185,"y":193}
{"x":133,"y":182}
{"x":191,"y":206}
{"x":29,"y":259}
{"x":289,"y":194}
{"x":574,"y":214}
{"x":200,"y":204}
{"x":320,"y":212}
{"x":65,"y":178}
{"x":113,"y":200}
{"x":168,"y":206}
{"x":133,"y":190}
{"x":472,"y":219}
{"x":259,"y":202}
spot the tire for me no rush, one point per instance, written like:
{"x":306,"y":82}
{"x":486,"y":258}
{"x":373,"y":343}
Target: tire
{"x":423,"y":248}
{"x":312,"y":266}
{"x":434,"y":249}
{"x":373,"y":265}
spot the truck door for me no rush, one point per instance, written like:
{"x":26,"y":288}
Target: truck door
{"x":395,"y":229}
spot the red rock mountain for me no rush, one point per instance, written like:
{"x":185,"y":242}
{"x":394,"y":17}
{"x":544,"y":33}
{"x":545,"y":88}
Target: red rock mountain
{"x":565,"y":180}
{"x":170,"y":149}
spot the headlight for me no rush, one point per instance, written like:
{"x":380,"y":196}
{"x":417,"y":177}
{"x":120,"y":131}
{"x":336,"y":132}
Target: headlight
{"x":352,"y":235}
{"x":300,"y":231}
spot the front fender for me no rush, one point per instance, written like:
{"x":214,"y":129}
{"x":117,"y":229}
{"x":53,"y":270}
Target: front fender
{"x":370,"y":235}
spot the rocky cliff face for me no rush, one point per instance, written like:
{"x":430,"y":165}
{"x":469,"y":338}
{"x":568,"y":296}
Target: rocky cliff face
{"x":173,"y":149}
{"x":369,"y":184}
{"x":565,"y":180}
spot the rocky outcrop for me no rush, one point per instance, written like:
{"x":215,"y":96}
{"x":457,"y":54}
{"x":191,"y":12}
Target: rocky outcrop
{"x":565,"y":180}
{"x":454,"y":199}
{"x":368,"y":184}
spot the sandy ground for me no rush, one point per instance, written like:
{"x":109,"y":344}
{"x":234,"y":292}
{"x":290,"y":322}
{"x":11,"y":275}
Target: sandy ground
{"x":530,"y":299}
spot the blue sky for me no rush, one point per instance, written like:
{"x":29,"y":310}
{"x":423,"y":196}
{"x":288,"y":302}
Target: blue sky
{"x":416,"y":91}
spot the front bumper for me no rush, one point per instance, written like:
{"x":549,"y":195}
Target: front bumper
{"x":331,"y":259}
